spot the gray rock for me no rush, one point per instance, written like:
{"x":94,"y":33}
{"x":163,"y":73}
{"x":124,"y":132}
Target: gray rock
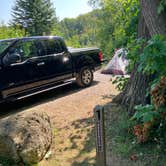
{"x":25,"y":137}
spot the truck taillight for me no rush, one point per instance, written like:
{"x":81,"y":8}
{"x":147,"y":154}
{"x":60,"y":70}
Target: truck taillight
{"x":100,"y":56}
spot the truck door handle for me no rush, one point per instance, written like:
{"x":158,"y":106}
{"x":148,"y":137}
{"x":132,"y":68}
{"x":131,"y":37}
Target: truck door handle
{"x":41,"y":64}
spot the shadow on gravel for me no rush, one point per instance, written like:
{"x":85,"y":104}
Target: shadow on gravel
{"x":7,"y":109}
{"x":86,"y":155}
{"x":108,"y":96}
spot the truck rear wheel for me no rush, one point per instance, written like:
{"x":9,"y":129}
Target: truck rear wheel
{"x":85,"y":77}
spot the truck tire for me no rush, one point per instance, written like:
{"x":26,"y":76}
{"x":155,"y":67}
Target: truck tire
{"x":85,"y":77}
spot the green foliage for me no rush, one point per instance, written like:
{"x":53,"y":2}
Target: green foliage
{"x":84,"y":29}
{"x":73,"y":42}
{"x":150,"y":55}
{"x":159,"y":132}
{"x":157,"y":120}
{"x":162,"y":6}
{"x":134,"y":47}
{"x":109,"y":26}
{"x":145,"y":113}
{"x":56,"y":30}
{"x":37,"y":17}
{"x":119,"y":24}
{"x":10,"y":32}
{"x":153,"y":58}
{"x":120,"y":82}
{"x":152,"y":62}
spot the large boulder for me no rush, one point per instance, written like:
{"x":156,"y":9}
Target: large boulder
{"x":25,"y":137}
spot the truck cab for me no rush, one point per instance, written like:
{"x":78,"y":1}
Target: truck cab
{"x":32,"y":64}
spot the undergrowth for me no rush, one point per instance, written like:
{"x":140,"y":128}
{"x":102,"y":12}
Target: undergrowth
{"x":122,"y":146}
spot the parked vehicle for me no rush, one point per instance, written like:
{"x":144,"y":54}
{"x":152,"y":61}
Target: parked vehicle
{"x":33,"y":65}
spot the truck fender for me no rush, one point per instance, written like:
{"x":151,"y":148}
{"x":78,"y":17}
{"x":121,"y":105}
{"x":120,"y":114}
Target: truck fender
{"x":84,"y":61}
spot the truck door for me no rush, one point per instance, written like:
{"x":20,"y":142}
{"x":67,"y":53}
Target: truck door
{"x":19,"y":70}
{"x":55,"y":62}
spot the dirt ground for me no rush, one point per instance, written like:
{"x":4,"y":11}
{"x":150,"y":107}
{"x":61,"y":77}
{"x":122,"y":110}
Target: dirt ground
{"x":71,"y":111}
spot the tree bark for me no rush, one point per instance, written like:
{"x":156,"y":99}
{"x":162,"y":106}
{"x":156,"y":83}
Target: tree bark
{"x":156,"y":23}
{"x":150,"y":23}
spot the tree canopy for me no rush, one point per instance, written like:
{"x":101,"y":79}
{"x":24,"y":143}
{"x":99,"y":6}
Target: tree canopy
{"x":111,"y":25}
{"x":37,"y":17}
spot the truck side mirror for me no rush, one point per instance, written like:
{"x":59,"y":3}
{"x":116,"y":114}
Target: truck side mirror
{"x":11,"y":58}
{"x":14,"y":58}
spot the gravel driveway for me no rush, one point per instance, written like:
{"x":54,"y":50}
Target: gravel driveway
{"x":71,"y":112}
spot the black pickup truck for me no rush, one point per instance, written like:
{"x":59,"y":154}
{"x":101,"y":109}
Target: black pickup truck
{"x":33,"y":65}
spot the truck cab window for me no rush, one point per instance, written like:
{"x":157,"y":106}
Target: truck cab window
{"x":22,"y":49}
{"x":51,"y":46}
{"x":27,"y":49}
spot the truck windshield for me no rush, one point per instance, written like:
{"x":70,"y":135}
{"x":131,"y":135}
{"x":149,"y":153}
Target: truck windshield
{"x":4,"y":45}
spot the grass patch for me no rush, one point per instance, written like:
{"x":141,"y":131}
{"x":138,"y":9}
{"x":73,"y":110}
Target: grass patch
{"x":122,"y":145}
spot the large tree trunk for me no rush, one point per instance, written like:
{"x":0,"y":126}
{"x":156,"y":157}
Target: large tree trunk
{"x":150,"y":23}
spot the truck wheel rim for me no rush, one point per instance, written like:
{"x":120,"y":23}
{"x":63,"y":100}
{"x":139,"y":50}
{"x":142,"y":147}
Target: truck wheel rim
{"x":86,"y":77}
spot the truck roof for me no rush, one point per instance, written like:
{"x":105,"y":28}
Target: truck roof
{"x":32,"y":37}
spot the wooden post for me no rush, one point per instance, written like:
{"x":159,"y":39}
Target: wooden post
{"x":100,"y":136}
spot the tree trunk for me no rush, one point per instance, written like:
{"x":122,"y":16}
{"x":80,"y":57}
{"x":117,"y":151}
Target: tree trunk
{"x":156,"y":23}
{"x":150,"y":23}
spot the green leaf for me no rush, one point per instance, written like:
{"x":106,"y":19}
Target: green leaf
{"x":149,"y":116}
{"x":137,"y":115}
{"x":162,"y":109}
